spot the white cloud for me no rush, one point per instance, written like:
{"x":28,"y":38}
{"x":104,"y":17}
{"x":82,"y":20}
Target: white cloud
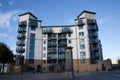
{"x":11,"y":3}
{"x":6,"y":19}
{"x":3,"y":35}
{"x":0,"y":4}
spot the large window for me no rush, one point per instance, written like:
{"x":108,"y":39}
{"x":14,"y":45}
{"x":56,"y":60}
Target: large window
{"x":31,"y":48}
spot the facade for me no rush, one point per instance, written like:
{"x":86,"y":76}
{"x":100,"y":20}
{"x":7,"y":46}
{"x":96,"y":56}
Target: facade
{"x":45,"y":46}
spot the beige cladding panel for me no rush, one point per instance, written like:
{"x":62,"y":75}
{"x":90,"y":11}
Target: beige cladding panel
{"x":87,"y":15}
{"x":24,"y":18}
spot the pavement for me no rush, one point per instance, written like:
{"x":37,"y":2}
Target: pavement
{"x":111,"y":75}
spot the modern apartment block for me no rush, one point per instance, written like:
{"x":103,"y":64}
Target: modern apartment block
{"x":45,"y":46}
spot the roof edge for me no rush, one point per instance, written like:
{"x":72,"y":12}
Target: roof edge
{"x":85,"y":11}
{"x":28,"y":13}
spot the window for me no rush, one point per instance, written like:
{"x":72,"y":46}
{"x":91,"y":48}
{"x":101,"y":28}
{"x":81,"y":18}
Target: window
{"x":44,"y":48}
{"x":81,"y":33}
{"x":69,"y":41}
{"x":31,"y":48}
{"x":82,"y":54}
{"x":83,"y":57}
{"x":44,"y":55}
{"x":69,"y":35}
{"x":83,"y":60}
{"x":82,"y":46}
{"x":44,"y":42}
{"x":82,"y":40}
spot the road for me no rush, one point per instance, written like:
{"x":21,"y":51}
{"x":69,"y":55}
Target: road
{"x":112,"y":75}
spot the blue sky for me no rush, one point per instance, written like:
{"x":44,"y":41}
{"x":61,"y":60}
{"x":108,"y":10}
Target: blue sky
{"x":63,"y":12}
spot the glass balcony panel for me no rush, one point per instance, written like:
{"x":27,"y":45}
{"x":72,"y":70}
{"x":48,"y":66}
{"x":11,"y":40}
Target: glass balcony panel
{"x":47,"y":30}
{"x":33,"y":24}
{"x":23,"y":23}
{"x":21,"y":30}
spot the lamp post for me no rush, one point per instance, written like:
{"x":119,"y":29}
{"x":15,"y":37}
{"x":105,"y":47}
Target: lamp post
{"x":69,"y":62}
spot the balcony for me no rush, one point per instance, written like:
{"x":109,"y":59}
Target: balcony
{"x":61,"y":56}
{"x":23,"y":24}
{"x":51,"y":38}
{"x":93,"y":34}
{"x":20,"y":30}
{"x":20,"y":43}
{"x":52,"y":50}
{"x":95,"y":56}
{"x":92,"y":28}
{"x":94,"y":48}
{"x":66,"y":30}
{"x":20,"y":50}
{"x":51,"y":56}
{"x":33,"y":24}
{"x":93,"y":41}
{"x":21,"y":36}
{"x":91,"y":22}
{"x":62,"y":44}
{"x":47,"y":31}
{"x":80,"y":22}
{"x":61,"y":51}
{"x":61,"y":37}
{"x":52,"y":44}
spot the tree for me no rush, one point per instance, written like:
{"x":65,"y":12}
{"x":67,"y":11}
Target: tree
{"x":6,"y":55}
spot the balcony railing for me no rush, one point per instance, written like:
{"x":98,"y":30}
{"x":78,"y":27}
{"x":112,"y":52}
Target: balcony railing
{"x":61,"y":37}
{"x":94,"y":48}
{"x":91,"y":22}
{"x":52,"y":44}
{"x":52,"y":38}
{"x":92,"y":28}
{"x":95,"y":56}
{"x":21,"y":36}
{"x":51,"y":51}
{"x":61,"y":51}
{"x":93,"y":41}
{"x":62,"y":44}
{"x":46,"y":31}
{"x":66,"y":31}
{"x":33,"y":24}
{"x":20,"y":43}
{"x":61,"y":56}
{"x":51,"y":56}
{"x":93,"y":34}
{"x":20,"y":30}
{"x":20,"y":50}
{"x":23,"y":24}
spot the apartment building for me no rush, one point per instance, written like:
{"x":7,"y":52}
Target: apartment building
{"x":45,"y":46}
